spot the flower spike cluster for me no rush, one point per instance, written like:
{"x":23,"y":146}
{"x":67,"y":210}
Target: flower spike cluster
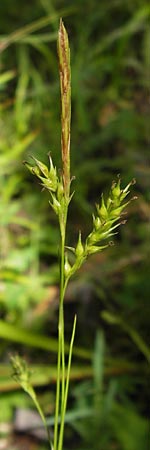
{"x":107,"y":219}
{"x":105,"y":223}
{"x":65,"y":87}
{"x":21,"y":374}
{"x":47,"y":176}
{"x":50,"y":181}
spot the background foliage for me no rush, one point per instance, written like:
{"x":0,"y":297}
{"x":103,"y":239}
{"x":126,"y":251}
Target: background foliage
{"x":110,"y":64}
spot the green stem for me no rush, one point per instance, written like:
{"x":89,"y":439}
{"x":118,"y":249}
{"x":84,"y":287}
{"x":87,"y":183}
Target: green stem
{"x":44,"y":421}
{"x":57,"y":398}
{"x":65,"y":75}
{"x":60,"y":443}
{"x":60,"y":389}
{"x":61,"y":320}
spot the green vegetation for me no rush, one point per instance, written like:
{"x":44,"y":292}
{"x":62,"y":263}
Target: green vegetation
{"x":109,"y":391}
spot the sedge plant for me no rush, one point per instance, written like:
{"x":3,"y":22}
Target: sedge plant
{"x":106,"y":220}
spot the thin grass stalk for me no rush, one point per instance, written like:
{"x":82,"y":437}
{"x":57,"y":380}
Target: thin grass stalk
{"x":60,"y":388}
{"x":44,"y":422}
{"x":64,"y":69}
{"x":61,"y":434}
{"x":61,"y":324}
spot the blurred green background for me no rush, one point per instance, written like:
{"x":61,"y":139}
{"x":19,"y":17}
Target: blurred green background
{"x":110,"y":62}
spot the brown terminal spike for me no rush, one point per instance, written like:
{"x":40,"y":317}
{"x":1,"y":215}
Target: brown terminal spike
{"x":65,"y":87}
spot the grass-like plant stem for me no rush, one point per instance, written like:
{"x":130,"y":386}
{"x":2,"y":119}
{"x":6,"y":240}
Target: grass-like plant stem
{"x":106,"y":220}
{"x":61,"y":350}
{"x":65,"y":87}
{"x":64,"y":404}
